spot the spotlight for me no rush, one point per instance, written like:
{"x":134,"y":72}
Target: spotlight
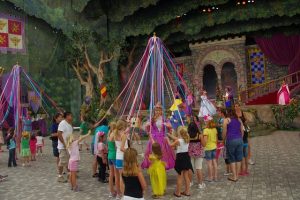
{"x":213,"y":7}
{"x":204,"y":10}
{"x":238,"y":3}
{"x":244,"y":2}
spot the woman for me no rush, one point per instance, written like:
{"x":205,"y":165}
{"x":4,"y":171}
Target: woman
{"x":233,"y":134}
{"x":206,"y":107}
{"x":157,"y":129}
{"x":240,"y":115}
{"x":54,"y":135}
{"x":283,"y":95}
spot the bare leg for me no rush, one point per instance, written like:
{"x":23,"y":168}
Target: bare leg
{"x":199,"y":176}
{"x":117,"y":180}
{"x":233,"y":170}
{"x":111,"y":179}
{"x":95,"y":164}
{"x":191,"y":175}
{"x":187,"y":182}
{"x":209,"y":168}
{"x":178,"y":184}
{"x":215,"y":169}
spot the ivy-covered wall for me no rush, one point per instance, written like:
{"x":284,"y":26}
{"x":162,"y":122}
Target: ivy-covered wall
{"x":44,"y":60}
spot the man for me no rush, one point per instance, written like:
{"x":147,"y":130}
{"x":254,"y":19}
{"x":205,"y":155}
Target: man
{"x":64,"y":130}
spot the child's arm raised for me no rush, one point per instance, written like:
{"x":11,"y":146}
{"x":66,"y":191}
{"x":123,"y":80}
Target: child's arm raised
{"x":85,"y":136}
{"x":123,"y":139}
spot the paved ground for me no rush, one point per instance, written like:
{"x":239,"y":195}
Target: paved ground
{"x":276,"y":175}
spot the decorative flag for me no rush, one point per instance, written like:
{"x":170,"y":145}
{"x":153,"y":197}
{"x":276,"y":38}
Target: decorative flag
{"x":34,"y":101}
{"x":103,"y":90}
{"x":12,"y":34}
{"x":257,"y":65}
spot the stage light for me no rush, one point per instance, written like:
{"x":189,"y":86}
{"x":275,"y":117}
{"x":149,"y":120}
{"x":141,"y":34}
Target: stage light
{"x":204,"y":10}
{"x":244,"y":2}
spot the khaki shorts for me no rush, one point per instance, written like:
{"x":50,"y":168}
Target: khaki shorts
{"x":197,"y":163}
{"x":63,"y":158}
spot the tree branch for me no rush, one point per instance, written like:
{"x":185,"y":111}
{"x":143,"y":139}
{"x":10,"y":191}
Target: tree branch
{"x":91,"y":66}
{"x":76,"y":69}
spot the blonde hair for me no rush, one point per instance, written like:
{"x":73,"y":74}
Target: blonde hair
{"x":70,"y":139}
{"x":130,"y":167}
{"x":120,"y":126}
{"x":183,"y":132}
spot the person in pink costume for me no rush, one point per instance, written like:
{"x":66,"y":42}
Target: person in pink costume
{"x":158,"y":129}
{"x":283,"y":95}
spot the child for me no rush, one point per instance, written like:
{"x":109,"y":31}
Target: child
{"x":112,"y":160}
{"x":33,"y":146}
{"x":120,"y":138}
{"x":25,"y":151}
{"x":210,"y":140}
{"x":102,"y":157}
{"x":157,"y":172}
{"x":196,"y":152}
{"x":11,"y":145}
{"x":134,"y":181}
{"x":183,"y":161}
{"x":136,"y":129}
{"x":1,"y":139}
{"x":244,"y":171}
{"x":84,"y":127}
{"x":73,"y":149}
{"x":40,"y":142}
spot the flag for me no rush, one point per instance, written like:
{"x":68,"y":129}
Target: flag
{"x":103,"y":90}
{"x":11,"y":34}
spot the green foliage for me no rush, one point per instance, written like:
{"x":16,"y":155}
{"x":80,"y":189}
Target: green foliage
{"x":285,"y":115}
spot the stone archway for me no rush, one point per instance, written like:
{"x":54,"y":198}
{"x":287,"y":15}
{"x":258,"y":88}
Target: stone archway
{"x":229,"y":77}
{"x":210,"y":80}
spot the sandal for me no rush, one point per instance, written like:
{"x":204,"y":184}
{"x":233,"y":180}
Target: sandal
{"x":184,"y":194}
{"x":178,"y":196}
{"x":231,"y":179}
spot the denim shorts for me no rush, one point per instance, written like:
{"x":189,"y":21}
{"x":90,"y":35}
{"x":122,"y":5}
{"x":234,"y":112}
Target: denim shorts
{"x":210,"y":155}
{"x":234,"y":150}
{"x":119,"y":164}
{"x":245,"y":150}
{"x":112,"y":161}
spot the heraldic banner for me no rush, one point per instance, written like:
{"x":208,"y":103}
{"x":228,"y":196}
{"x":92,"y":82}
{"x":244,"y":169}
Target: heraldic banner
{"x":257,"y":65}
{"x":12,"y":34}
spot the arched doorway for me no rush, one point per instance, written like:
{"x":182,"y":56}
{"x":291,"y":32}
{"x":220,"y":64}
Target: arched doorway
{"x":229,"y":77}
{"x":210,"y":80}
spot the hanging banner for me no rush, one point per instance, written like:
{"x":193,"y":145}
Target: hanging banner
{"x":34,"y":101}
{"x":257,"y":65}
{"x":103,"y":90}
{"x":12,"y":34}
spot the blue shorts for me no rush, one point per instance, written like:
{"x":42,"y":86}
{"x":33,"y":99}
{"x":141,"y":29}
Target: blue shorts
{"x":234,"y":150}
{"x":245,"y":150}
{"x":111,"y":161}
{"x":210,"y":155}
{"x":119,"y":164}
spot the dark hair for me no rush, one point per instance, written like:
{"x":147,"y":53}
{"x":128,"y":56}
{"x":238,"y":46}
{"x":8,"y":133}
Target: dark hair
{"x":32,"y":137}
{"x":56,"y":116}
{"x":156,"y":149}
{"x":39,"y":133}
{"x":231,"y":114}
{"x":193,"y":130}
{"x":66,"y":114}
{"x":11,"y":131}
{"x":104,"y":122}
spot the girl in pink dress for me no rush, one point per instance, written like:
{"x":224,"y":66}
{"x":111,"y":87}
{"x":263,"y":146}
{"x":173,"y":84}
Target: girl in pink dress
{"x":283,"y":95}
{"x":158,"y":132}
{"x":32,"y":146}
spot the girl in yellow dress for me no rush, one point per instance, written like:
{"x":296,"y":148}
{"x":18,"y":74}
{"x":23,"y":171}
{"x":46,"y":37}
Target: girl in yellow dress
{"x":157,"y":172}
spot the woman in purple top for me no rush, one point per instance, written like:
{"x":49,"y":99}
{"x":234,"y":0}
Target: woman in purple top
{"x":233,"y":135}
{"x":158,"y":131}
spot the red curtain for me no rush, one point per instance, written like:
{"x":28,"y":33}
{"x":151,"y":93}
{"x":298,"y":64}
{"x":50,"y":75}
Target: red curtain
{"x":282,"y":50}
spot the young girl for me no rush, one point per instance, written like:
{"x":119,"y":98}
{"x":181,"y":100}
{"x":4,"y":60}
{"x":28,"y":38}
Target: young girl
{"x":112,"y":160}
{"x":32,"y":145}
{"x":102,"y":157}
{"x":25,"y":151}
{"x":157,"y":172}
{"x":40,"y":142}
{"x":196,"y":152}
{"x":121,"y":142}
{"x":73,"y":149}
{"x":244,"y":168}
{"x":134,"y":181}
{"x":210,"y":140}
{"x":220,"y":144}
{"x":183,"y":161}
{"x":11,"y":145}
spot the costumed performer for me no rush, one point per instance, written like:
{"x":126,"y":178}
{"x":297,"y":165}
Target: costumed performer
{"x":157,"y":130}
{"x":283,"y":95}
{"x":206,"y":106}
{"x":178,"y":115}
{"x":229,"y":101}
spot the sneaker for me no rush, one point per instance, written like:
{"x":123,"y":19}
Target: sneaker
{"x":251,"y":162}
{"x":201,"y":186}
{"x":191,"y":183}
{"x":112,"y":195}
{"x":118,"y":197}
{"x":61,"y":179}
{"x":227,"y":173}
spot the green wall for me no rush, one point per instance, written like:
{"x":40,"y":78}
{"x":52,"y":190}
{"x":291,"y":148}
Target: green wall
{"x":44,"y":60}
